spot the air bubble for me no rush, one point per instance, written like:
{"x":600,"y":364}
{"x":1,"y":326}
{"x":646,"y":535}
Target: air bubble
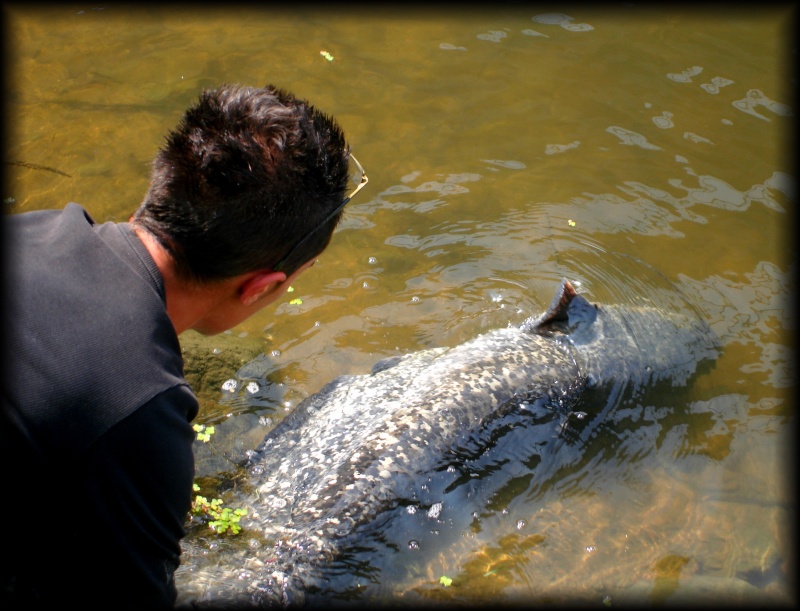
{"x":277,"y":502}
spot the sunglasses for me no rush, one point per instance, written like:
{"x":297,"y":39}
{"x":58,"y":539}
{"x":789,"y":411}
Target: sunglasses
{"x":360,"y":183}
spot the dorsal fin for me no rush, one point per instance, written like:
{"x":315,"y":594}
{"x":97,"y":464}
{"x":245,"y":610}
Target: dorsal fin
{"x":558,"y":309}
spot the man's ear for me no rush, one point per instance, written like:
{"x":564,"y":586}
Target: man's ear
{"x":258,"y":285}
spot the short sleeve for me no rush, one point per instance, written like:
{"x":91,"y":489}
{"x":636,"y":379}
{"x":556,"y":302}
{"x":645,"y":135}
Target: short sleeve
{"x":137,"y":486}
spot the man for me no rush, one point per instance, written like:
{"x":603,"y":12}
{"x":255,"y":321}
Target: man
{"x":95,"y":435}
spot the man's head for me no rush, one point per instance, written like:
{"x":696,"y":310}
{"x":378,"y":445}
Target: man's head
{"x":246,"y":175}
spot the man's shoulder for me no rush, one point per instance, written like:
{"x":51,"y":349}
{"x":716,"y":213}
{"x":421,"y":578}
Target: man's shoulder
{"x":89,"y":338}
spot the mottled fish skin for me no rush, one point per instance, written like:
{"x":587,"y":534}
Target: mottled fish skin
{"x":336,"y":461}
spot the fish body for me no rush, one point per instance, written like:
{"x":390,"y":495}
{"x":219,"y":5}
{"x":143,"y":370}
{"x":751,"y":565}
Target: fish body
{"x":337,"y":461}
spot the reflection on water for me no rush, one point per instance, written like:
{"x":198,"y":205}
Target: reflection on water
{"x":506,"y":148}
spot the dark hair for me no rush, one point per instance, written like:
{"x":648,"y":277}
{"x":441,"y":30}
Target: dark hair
{"x":247,"y":174}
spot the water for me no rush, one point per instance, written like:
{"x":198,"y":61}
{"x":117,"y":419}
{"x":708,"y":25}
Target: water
{"x":624,"y":147}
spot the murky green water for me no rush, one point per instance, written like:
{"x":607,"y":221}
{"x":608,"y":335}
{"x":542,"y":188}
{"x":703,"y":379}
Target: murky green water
{"x":506,"y":148}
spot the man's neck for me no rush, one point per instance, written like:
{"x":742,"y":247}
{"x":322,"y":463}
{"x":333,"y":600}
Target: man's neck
{"x":187,"y":303}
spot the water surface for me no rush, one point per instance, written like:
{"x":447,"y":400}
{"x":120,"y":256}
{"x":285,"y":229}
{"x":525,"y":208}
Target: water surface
{"x":506,"y":148}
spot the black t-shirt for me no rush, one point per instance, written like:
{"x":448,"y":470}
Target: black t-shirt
{"x":95,"y":432}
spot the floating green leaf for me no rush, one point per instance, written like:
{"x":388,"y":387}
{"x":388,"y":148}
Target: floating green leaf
{"x":204,"y":432}
{"x":445,"y":581}
{"x":223,"y":518}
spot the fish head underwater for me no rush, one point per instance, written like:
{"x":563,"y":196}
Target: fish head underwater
{"x":341,"y":461}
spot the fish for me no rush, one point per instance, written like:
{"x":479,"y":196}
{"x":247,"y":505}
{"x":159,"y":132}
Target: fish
{"x":337,"y":463}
